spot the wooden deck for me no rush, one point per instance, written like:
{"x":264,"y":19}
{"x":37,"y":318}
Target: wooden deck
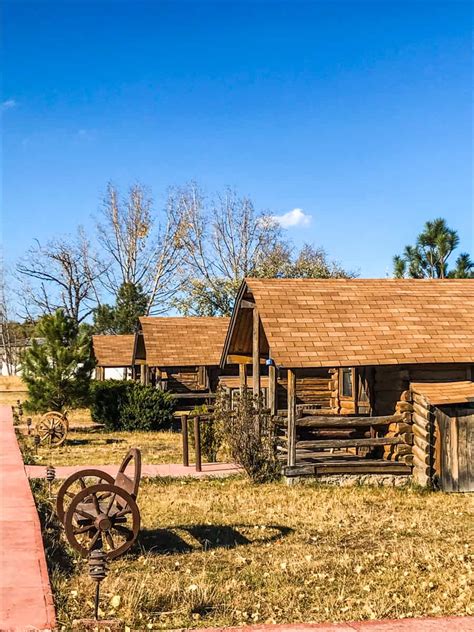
{"x":318,"y":464}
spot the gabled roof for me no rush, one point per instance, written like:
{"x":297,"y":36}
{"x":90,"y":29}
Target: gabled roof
{"x":183,"y":341}
{"x":438,"y":393}
{"x":352,"y":322}
{"x":113,"y":351}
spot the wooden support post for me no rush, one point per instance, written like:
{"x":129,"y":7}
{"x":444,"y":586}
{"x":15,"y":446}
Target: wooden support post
{"x":197,"y":443}
{"x":243,"y":377}
{"x":143,"y":373}
{"x":184,"y":432}
{"x":291,"y":431}
{"x":272,"y":389}
{"x":355,"y":388}
{"x":256,"y":353}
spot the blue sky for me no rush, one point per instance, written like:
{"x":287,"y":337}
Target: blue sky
{"x":358,"y":113}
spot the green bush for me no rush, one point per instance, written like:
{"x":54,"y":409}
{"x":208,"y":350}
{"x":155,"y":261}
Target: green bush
{"x":126,"y":405}
{"x":108,"y":399}
{"x":147,"y":408}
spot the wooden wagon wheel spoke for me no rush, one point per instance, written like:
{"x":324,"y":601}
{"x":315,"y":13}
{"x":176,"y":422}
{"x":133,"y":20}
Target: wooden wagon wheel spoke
{"x":84,"y":514}
{"x":109,"y":507}
{"x":123,"y":512}
{"x":84,"y":529}
{"x":94,"y":539}
{"x":82,"y":483}
{"x":109,"y":539}
{"x":96,"y":503}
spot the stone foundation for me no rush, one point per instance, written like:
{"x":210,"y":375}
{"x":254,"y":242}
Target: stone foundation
{"x":354,"y":480}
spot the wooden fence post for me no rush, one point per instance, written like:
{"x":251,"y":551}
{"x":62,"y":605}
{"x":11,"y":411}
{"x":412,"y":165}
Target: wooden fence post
{"x":197,"y":443}
{"x":184,"y":432}
{"x":272,"y":389}
{"x":291,"y":431}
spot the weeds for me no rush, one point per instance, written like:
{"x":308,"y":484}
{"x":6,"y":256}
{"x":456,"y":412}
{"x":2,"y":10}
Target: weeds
{"x":227,"y":552}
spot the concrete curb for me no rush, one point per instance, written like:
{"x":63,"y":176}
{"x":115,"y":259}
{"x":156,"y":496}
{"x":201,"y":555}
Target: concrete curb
{"x":430,"y":624}
{"x":26,"y":599}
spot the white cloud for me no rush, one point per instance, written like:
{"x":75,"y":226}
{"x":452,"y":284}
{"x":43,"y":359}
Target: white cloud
{"x":296,"y":217}
{"x":9,"y":104}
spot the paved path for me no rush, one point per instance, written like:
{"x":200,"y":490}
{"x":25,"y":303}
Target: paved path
{"x":26,"y":601}
{"x":175,"y":470}
{"x":442,"y":624}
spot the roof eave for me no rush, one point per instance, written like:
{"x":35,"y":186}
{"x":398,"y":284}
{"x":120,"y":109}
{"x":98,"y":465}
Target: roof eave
{"x":225,"y":352}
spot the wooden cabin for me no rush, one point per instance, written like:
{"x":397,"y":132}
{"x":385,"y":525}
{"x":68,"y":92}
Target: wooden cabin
{"x":345,"y":360}
{"x":181,"y":355}
{"x":114,"y":356}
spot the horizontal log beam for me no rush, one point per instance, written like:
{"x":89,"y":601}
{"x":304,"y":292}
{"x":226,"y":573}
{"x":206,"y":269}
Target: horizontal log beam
{"x":235,"y":358}
{"x":320,"y":421}
{"x":420,"y":455}
{"x":349,"y":443}
{"x":355,"y":467}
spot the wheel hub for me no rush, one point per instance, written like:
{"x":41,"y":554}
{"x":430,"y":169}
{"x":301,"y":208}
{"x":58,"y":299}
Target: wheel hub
{"x":103,"y":522}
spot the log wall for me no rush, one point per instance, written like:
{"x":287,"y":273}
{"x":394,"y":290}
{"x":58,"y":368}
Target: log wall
{"x":401,"y":428}
{"x":312,"y":388}
{"x":424,"y":439}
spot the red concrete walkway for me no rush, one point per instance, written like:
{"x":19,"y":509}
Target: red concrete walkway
{"x":26,"y":601}
{"x":442,"y":624}
{"x":174,"y":470}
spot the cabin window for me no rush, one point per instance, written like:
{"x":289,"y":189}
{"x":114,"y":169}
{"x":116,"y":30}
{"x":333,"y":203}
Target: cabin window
{"x":345,"y":377}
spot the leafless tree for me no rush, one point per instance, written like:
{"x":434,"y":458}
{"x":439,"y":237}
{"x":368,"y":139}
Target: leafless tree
{"x":13,"y":335}
{"x":141,"y":250}
{"x":224,"y":240}
{"x":63,"y":273}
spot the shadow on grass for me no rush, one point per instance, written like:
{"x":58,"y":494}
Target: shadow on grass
{"x":97,"y":439}
{"x":207,"y":537}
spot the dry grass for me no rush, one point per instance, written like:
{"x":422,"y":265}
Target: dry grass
{"x":228,"y":552}
{"x":85,"y":445}
{"x":109,"y":448}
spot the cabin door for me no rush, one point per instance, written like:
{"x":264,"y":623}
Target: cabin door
{"x":455,"y":449}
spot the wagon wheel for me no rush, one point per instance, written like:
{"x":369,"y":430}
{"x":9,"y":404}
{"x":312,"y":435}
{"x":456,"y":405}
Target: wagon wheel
{"x":133,"y":456}
{"x":52,"y":429}
{"x":102,"y":516}
{"x":75,"y":484}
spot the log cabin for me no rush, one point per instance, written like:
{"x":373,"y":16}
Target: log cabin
{"x":361,"y":372}
{"x":114,"y":356}
{"x":181,"y":355}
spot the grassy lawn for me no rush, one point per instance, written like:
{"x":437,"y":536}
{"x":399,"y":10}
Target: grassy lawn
{"x":108,"y":448}
{"x":86,"y":445}
{"x":228,"y":552}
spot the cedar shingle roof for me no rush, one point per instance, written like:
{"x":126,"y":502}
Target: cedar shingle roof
{"x":438,"y":393}
{"x":351,"y":322}
{"x":113,"y":351}
{"x":183,"y":341}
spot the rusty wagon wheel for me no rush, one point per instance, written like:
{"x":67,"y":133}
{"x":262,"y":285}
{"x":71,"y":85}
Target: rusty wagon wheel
{"x":102,"y":516}
{"x":75,"y":484}
{"x":52,"y":428}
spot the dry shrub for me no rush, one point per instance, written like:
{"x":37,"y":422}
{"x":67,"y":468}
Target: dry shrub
{"x":249,"y":434}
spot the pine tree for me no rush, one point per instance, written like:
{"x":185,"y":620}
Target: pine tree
{"x":122,"y":318}
{"x":57,"y":368}
{"x":428,"y":258}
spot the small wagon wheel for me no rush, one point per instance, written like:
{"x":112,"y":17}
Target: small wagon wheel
{"x":52,"y":428}
{"x":103,"y":516}
{"x":132,"y":482}
{"x":75,"y":484}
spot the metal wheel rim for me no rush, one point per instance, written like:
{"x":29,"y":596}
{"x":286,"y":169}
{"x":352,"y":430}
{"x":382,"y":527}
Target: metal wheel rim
{"x":64,"y":489}
{"x":129,"y":507}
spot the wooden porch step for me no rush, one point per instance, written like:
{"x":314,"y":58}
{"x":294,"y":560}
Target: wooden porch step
{"x":343,"y":466}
